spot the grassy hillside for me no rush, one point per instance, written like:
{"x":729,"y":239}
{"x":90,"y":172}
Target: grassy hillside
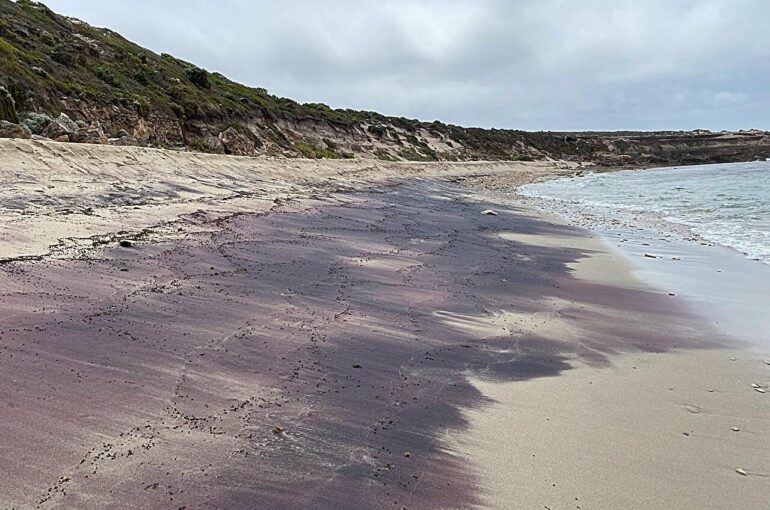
{"x":44,"y":56}
{"x":51,"y":64}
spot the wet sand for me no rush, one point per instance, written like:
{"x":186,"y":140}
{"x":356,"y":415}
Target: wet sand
{"x":317,"y":346}
{"x":679,"y":428}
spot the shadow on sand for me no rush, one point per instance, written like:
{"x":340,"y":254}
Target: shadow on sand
{"x":315,"y":357}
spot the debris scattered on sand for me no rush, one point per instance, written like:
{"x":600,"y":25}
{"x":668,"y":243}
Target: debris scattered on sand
{"x":741,"y":472}
{"x":760,"y":390}
{"x":676,"y":258}
{"x":755,"y":385}
{"x":767,"y":362}
{"x":125,"y":243}
{"x":407,"y":454}
{"x":671,"y":294}
{"x":489,"y":212}
{"x":650,"y":255}
{"x":356,"y":365}
{"x":732,"y":359}
{"x":735,"y":429}
{"x":279,"y":430}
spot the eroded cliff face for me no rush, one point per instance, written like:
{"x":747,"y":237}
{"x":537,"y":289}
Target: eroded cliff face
{"x":65,"y":80}
{"x":318,"y":138}
{"x":658,"y":148}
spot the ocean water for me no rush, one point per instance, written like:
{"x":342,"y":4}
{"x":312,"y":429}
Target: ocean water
{"x":726,"y":204}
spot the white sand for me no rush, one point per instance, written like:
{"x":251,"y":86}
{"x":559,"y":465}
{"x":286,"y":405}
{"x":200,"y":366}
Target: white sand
{"x":56,"y":195}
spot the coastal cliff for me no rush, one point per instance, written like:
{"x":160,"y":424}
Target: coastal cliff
{"x":65,"y":80}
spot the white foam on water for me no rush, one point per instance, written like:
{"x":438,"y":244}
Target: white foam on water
{"x":670,"y":222}
{"x":727,"y":204}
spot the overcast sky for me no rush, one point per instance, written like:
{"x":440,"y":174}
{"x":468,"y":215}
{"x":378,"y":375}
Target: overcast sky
{"x":525,"y":64}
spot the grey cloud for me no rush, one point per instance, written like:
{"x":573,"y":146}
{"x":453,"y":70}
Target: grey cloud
{"x":529,"y":64}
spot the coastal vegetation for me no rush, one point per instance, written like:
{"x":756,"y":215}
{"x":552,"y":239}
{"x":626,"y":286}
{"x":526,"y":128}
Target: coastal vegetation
{"x":119,"y":92}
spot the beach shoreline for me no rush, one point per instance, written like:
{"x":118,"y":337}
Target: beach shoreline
{"x":673,"y":429}
{"x":232,"y":332}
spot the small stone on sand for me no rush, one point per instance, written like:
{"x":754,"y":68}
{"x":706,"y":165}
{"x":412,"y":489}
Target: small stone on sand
{"x":736,"y":429}
{"x":650,"y":255}
{"x":741,"y":472}
{"x":125,"y":243}
{"x":760,"y":390}
{"x":489,"y":212}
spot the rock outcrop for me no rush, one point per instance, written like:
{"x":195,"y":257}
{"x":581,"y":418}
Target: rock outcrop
{"x":62,"y":129}
{"x":11,"y":130}
{"x":127,"y":140}
{"x":237,"y":143}
{"x":91,"y":134}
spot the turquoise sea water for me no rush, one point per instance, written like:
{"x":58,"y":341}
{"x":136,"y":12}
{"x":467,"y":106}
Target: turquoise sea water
{"x":725,"y":204}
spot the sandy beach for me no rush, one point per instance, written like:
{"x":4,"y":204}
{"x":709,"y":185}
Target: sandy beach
{"x":197,"y":331}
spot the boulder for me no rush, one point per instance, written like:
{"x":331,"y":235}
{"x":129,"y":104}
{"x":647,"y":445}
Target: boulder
{"x":90,"y":134}
{"x":11,"y":130}
{"x":236,"y":143}
{"x":128,"y":140}
{"x":61,"y":129}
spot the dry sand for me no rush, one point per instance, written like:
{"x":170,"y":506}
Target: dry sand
{"x":53,"y":196}
{"x":344,"y":335}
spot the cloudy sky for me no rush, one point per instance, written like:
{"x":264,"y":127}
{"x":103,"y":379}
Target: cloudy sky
{"x":528,"y":64}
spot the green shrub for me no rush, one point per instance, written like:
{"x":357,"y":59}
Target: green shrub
{"x":377,"y":130}
{"x":36,"y":122}
{"x":63,"y":56}
{"x":7,"y":106}
{"x":107,"y":76}
{"x":383,"y":155}
{"x":177,"y":109}
{"x":411,"y":154}
{"x":314,"y":152}
{"x":199,"y":77}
